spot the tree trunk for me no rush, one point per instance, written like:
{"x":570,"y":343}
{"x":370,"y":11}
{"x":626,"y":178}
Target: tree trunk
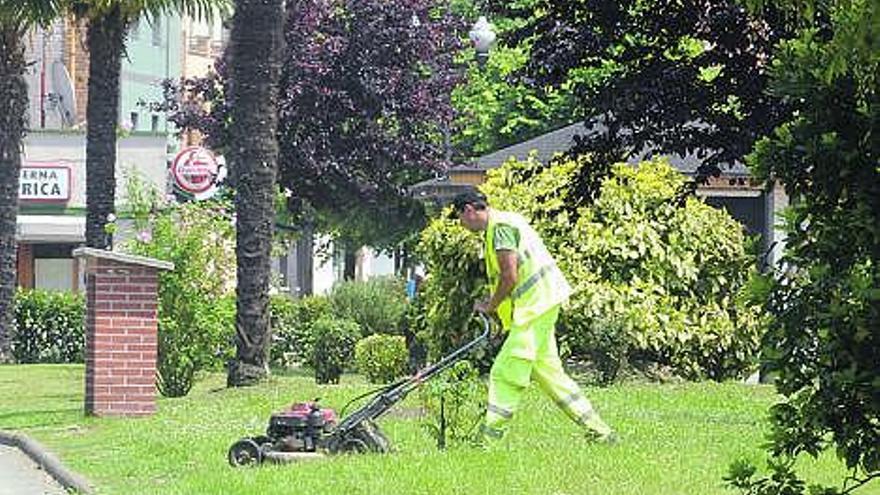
{"x":13,"y":105}
{"x":255,"y":45}
{"x":106,"y":40}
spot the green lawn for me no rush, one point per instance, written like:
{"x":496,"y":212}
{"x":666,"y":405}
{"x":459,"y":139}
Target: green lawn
{"x":676,"y":439}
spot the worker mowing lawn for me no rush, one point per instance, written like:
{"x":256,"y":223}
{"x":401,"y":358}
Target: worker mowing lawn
{"x":528,"y":291}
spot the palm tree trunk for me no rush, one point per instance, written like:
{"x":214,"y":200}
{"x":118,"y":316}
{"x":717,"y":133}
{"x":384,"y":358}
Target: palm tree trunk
{"x":106,"y":39}
{"x":13,"y":104}
{"x":255,"y":45}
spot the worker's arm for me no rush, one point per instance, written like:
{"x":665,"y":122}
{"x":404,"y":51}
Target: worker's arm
{"x":509,"y":266}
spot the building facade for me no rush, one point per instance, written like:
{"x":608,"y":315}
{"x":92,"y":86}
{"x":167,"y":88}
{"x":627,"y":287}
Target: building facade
{"x":52,"y":202}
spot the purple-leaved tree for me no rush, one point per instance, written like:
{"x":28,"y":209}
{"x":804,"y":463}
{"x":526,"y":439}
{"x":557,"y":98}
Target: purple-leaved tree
{"x":363,"y":103}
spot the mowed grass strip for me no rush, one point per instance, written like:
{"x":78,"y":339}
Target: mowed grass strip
{"x":675,"y":439}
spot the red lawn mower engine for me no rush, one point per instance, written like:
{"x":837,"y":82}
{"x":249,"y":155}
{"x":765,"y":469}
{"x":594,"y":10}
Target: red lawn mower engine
{"x":301,"y":428}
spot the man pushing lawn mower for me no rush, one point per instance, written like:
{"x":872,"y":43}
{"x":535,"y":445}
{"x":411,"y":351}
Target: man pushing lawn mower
{"x":528,"y":291}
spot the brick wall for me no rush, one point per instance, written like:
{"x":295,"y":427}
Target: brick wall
{"x":121,"y":342}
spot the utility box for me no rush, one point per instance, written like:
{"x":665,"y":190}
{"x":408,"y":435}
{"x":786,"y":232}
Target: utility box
{"x":122,"y":300}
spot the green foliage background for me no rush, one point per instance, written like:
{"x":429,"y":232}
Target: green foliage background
{"x":659,"y":277}
{"x":196,"y":301}
{"x":823,"y":341}
{"x":378,"y":304}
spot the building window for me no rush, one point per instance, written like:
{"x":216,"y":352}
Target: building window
{"x":134,"y":121}
{"x":54,"y":268}
{"x":154,"y":123}
{"x":157,"y":31}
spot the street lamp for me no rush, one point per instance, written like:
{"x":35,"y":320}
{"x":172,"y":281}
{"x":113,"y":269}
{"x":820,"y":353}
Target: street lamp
{"x":482,"y":35}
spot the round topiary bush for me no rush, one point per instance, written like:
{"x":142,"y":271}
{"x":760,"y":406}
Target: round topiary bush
{"x":333,"y":347}
{"x":381,"y":358}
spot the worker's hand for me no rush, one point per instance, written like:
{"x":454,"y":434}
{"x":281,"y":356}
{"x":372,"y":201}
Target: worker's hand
{"x":482,"y":307}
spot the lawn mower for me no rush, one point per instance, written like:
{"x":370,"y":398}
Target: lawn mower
{"x":307,"y":430}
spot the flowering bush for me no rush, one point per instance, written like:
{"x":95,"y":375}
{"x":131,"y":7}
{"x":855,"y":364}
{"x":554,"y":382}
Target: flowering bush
{"x":196,"y":300}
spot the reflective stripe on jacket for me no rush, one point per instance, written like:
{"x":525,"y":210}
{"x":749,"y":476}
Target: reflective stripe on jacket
{"x":540,"y":284}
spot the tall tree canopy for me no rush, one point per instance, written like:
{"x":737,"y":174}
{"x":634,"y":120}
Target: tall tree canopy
{"x":669,"y":76}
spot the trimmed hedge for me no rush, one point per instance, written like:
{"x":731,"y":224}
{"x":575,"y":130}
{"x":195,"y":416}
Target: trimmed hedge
{"x":335,"y":339}
{"x":49,"y":327}
{"x":381,"y":358}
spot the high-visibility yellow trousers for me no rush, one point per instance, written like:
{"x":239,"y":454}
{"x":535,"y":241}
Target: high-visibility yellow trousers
{"x":530,"y":353}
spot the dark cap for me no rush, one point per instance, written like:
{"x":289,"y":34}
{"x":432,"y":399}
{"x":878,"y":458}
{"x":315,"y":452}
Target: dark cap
{"x":469,"y":197}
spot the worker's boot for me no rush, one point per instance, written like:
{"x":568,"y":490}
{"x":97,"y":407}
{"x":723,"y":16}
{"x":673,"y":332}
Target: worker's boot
{"x":609,"y":438}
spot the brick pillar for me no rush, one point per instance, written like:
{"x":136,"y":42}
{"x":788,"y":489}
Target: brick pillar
{"x":121,"y":332}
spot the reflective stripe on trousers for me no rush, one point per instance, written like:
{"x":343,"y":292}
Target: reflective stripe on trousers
{"x":511,"y":375}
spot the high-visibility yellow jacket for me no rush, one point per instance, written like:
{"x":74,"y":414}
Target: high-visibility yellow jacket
{"x":540,"y":283}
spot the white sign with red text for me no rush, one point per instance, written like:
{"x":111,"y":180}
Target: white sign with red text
{"x":197,"y":171}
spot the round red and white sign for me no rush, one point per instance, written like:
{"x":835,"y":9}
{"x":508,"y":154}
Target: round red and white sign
{"x":197,"y":171}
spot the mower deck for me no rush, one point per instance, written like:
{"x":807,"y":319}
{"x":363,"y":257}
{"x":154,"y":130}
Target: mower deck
{"x":276,"y":457}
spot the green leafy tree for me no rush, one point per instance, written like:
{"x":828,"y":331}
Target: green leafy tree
{"x":495,"y":110}
{"x":670,"y":76}
{"x":823,"y":342}
{"x":16,"y":18}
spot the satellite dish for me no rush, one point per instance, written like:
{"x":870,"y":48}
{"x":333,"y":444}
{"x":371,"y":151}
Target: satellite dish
{"x":63,"y":97}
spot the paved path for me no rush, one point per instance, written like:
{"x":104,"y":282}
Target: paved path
{"x":19,"y":475}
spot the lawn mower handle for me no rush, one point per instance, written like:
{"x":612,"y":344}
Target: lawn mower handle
{"x":451,"y":359}
{"x":394,"y":393}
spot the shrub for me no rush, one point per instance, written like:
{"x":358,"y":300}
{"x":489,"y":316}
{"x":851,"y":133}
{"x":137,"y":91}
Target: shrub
{"x":457,"y":277}
{"x":196,"y":303}
{"x":381,"y":358}
{"x":49,"y":327}
{"x":378,"y":305}
{"x":463,"y":396}
{"x":660,"y":279}
{"x":658,"y":276}
{"x":334,"y":343}
{"x":292,"y":336}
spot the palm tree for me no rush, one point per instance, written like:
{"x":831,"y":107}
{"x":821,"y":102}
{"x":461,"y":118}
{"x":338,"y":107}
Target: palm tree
{"x":108,"y":23}
{"x":255,"y":46}
{"x":16,"y":18}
